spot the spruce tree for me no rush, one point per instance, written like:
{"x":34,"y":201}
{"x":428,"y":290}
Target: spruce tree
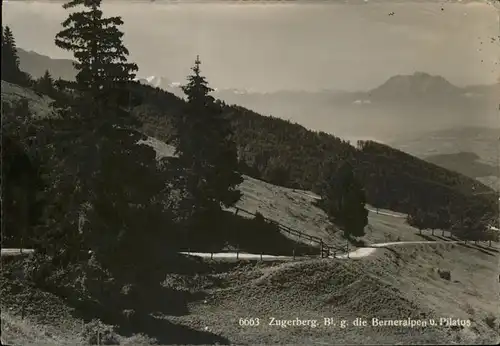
{"x":101,"y":57}
{"x":108,"y":179}
{"x":206,"y":150}
{"x":10,"y":60}
{"x":45,"y":85}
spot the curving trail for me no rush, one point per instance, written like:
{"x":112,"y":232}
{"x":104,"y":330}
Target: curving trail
{"x":369,"y":250}
{"x":358,"y":253}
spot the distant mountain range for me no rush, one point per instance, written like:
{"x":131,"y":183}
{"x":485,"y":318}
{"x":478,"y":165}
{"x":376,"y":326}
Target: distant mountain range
{"x":36,"y":64}
{"x":405,"y":111}
{"x":403,"y":106}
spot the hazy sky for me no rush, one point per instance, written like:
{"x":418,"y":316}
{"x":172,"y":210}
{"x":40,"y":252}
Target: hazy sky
{"x":269,"y":47}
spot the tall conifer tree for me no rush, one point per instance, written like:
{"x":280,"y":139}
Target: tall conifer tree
{"x":10,"y":60}
{"x":101,"y":57}
{"x":206,"y":150}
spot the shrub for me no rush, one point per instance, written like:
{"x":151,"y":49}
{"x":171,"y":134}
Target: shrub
{"x":490,"y":321}
{"x":444,"y":274}
{"x":97,"y":333}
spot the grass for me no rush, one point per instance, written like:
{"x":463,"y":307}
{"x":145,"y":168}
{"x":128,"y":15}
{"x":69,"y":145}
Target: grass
{"x":30,"y":315}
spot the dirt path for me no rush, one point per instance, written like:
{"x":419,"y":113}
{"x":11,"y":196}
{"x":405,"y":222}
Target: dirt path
{"x":358,"y":253}
{"x":16,"y":252}
{"x":369,"y":250}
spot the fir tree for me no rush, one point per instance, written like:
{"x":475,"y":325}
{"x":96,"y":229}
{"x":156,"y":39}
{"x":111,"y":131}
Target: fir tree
{"x":101,"y":57}
{"x":105,"y":177}
{"x":206,"y":150}
{"x":344,"y":201}
{"x":10,"y":60}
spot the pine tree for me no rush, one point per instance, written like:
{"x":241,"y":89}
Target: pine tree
{"x":10,"y":60}
{"x":206,"y":150}
{"x":344,"y":201}
{"x":101,"y":57}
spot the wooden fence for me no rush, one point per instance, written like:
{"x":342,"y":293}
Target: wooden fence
{"x":325,"y":250}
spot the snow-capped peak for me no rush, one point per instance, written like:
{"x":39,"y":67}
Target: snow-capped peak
{"x":159,"y":82}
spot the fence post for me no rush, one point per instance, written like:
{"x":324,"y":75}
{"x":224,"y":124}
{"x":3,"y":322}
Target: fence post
{"x":442,"y":234}
{"x":238,"y":252}
{"x":236,"y":211}
{"x":261,"y":255}
{"x":212,"y":254}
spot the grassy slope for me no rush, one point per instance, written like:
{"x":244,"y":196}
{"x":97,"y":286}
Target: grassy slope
{"x":392,"y":284}
{"x":39,"y":104}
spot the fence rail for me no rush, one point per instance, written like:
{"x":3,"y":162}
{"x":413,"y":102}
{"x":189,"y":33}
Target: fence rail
{"x":325,"y":249}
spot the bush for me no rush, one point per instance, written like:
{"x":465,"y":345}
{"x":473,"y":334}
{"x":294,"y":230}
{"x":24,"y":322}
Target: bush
{"x":97,"y":333}
{"x":490,"y":320}
{"x":140,"y":339}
